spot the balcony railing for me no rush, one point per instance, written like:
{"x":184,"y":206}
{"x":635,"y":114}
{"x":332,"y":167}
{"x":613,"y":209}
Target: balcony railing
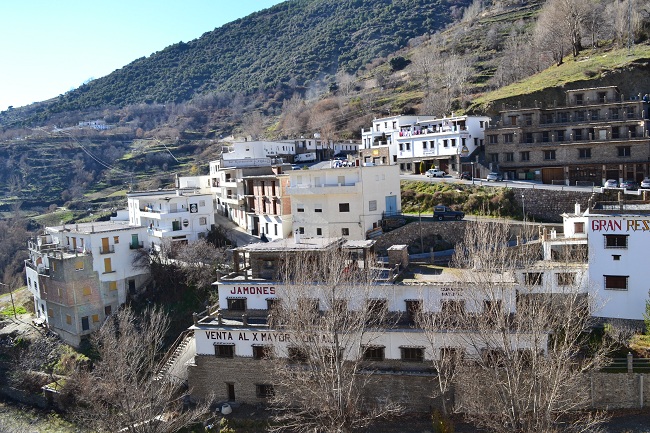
{"x":136,"y":245}
{"x":107,"y":249}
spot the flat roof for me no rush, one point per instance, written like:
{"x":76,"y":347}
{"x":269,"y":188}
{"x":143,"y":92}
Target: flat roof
{"x":94,"y":227}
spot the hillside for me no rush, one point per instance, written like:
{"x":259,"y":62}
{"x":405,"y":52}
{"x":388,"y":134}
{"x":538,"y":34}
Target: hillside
{"x":297,"y":44}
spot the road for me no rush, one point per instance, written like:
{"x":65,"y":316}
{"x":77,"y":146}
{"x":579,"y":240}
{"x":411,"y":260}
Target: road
{"x":522,"y":184}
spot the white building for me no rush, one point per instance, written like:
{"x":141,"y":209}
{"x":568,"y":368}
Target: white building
{"x":342,"y":201}
{"x":79,"y":274}
{"x":412,"y":141}
{"x":179,"y":215}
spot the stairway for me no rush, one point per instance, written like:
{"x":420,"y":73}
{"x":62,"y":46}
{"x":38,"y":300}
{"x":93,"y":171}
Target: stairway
{"x":173,"y":364}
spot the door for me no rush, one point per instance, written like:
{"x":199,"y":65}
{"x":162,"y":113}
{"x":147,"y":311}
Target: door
{"x":84,"y":323}
{"x":135,"y":243}
{"x":104,"y":245}
{"x":391,"y":204}
{"x":231,"y":391}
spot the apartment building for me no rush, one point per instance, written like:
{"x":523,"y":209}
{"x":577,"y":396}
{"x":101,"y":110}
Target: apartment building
{"x":596,"y":134}
{"x":180,"y":215}
{"x":80,"y":274}
{"x":342,"y":199}
{"x":249,"y":192}
{"x":418,"y":143}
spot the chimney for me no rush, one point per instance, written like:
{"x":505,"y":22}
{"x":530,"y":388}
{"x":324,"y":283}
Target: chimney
{"x":577,"y":209}
{"x":398,"y":255}
{"x":296,"y":236}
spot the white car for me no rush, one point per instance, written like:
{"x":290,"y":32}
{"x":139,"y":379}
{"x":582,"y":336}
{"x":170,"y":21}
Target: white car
{"x":435,"y":172}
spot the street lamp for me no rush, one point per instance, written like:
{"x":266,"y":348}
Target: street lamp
{"x":12,"y":299}
{"x":523,"y":210}
{"x":472,"y":162}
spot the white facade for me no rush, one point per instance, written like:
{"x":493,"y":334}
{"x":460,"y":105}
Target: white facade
{"x":259,"y":149}
{"x":412,"y":139}
{"x":80,"y":274}
{"x":178,"y":215}
{"x":344,"y":201}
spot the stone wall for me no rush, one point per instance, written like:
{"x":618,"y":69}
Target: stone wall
{"x":411,"y":387}
{"x":547,"y":205}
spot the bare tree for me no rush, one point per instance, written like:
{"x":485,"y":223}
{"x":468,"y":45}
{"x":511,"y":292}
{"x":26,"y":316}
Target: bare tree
{"x":200,"y":262}
{"x":122,"y":391}
{"x":320,"y":380}
{"x":531,"y":335}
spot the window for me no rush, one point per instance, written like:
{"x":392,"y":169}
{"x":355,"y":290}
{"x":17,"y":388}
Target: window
{"x":50,"y":312}
{"x":424,"y":145}
{"x":563,"y":117}
{"x":310,"y":305}
{"x":616,"y":132}
{"x":510,"y":156}
{"x":632,"y":131}
{"x":108,"y":267}
{"x":79,"y":265}
{"x":372,"y":205}
{"x":578,"y":228}
{"x":297,"y":355}
{"x":203,"y":221}
{"x":413,"y":308}
{"x":262,"y":352}
{"x":318,"y":208}
{"x":508,"y":138}
{"x":580,"y":116}
{"x":533,"y":278}
{"x":615,"y":241}
{"x":87,"y":291}
{"x":116,"y":239}
{"x":565,"y":278}
{"x":560,"y":135}
{"x":616,"y":282}
{"x":493,"y":139}
{"x":345,"y":231}
{"x":624,"y":151}
{"x":344,"y":207}
{"x":528,"y":119}
{"x":272,"y":304}
{"x":85,"y":325}
{"x":614,"y":113}
{"x":494,"y":157}
{"x":524,"y":156}
{"x":529,"y":138}
{"x":301,"y":230}
{"x":373,"y":353}
{"x":602,"y":97}
{"x":108,"y":310}
{"x":224,"y":350}
{"x":112,"y":285}
{"x":319,"y":231}
{"x":577,"y":134}
{"x":450,"y":309}
{"x":579,"y":99}
{"x":630,"y":112}
{"x":95,"y":318}
{"x":237,"y":304}
{"x":377,"y":308}
{"x":300,"y":207}
{"x":549,"y":155}
{"x":264,"y":391}
{"x":201,"y":203}
{"x":584,"y":153}
{"x":594,"y":114}
{"x":546,"y":136}
{"x":412,"y":354}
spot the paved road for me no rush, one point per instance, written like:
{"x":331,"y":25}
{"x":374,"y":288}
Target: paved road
{"x":523,"y":184}
{"x":235,"y":232}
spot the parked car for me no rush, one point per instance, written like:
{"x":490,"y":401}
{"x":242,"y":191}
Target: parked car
{"x":435,"y":172}
{"x":645,"y":183}
{"x":494,"y":177}
{"x":630,"y":185}
{"x":445,"y":213}
{"x":611,"y":183}
{"x":465,"y":175}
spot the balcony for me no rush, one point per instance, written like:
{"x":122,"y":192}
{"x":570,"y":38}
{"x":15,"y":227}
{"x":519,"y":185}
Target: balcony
{"x":108,"y":249}
{"x":136,"y":245}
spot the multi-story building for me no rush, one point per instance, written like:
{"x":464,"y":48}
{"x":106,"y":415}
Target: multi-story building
{"x":597,"y":134}
{"x":79,"y":274}
{"x":235,"y":339}
{"x":179,"y":215}
{"x":249,"y":192}
{"x":347,"y":201}
{"x":417,"y":143}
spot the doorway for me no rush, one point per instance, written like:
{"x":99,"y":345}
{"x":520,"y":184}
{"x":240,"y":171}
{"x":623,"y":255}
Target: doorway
{"x":231,"y":391}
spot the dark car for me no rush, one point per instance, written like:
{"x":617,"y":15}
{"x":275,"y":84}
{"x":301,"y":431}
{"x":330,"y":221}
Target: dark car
{"x":465,"y":175}
{"x":631,"y":185}
{"x":445,"y":213}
